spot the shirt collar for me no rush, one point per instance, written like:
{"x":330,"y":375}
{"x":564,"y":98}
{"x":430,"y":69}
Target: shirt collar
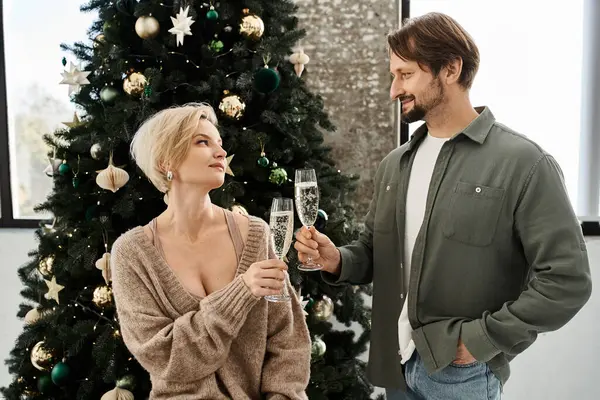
{"x":477,"y":130}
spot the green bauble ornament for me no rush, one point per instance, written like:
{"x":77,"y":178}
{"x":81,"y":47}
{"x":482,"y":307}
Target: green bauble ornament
{"x":266,"y":80}
{"x":90,"y":213}
{"x":64,"y":168}
{"x":126,"y":382}
{"x":263,"y":161}
{"x":216,"y":45}
{"x":110,"y":29}
{"x":60,"y":374}
{"x":64,"y":61}
{"x":126,"y":6}
{"x":45,"y":384}
{"x":109,"y":94}
{"x":318,"y":349}
{"x":212,"y":14}
{"x":148,"y":91}
{"x":75,"y":182}
{"x":278,"y":176}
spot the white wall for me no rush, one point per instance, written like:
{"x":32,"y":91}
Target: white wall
{"x":560,"y":365}
{"x":14,"y":246}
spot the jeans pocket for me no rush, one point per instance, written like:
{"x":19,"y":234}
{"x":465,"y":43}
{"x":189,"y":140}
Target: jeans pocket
{"x":469,"y":365}
{"x":455,"y":374}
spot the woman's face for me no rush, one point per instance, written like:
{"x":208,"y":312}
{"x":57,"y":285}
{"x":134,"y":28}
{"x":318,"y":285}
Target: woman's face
{"x":205,"y":162}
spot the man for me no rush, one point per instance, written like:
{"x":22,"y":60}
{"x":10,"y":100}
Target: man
{"x":470,"y":240}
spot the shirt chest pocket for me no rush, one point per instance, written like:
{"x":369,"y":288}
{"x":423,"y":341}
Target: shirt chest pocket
{"x":385,"y":213}
{"x":473,"y":214}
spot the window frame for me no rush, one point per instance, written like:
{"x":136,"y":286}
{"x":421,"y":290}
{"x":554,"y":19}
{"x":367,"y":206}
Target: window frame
{"x":7,"y":218}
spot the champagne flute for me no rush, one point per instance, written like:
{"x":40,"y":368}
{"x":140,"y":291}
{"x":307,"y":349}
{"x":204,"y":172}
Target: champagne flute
{"x":281,"y":223}
{"x":307,"y":205}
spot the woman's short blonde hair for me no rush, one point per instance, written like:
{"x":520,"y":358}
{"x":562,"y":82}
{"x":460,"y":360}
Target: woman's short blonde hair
{"x":164,"y":139}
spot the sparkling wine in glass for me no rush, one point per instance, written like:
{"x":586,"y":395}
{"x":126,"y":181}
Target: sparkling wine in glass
{"x":307,"y":206}
{"x":281,"y":223}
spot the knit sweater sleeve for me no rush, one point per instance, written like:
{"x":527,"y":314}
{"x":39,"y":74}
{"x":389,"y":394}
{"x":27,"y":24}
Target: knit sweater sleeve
{"x":286,"y":369}
{"x":184,"y":349}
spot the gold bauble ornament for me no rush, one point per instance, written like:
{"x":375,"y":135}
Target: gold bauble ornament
{"x":134,"y":84}
{"x":232,"y":106}
{"x":45,"y":266}
{"x":99,"y":40}
{"x":41,"y":358}
{"x":323,"y":309}
{"x":252,"y":27}
{"x":32,"y":316}
{"x":147,"y":27}
{"x":103,"y":296}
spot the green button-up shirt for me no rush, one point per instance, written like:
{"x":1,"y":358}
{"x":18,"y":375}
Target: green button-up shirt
{"x":500,"y":256}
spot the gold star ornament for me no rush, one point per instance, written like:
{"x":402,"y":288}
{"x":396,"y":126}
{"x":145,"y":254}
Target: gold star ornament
{"x":228,"y":160}
{"x":53,"y":289}
{"x":73,"y":123}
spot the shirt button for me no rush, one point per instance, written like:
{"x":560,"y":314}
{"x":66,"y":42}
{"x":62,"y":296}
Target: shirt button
{"x":399,"y":352}
{"x":478,"y":189}
{"x":387,"y":188}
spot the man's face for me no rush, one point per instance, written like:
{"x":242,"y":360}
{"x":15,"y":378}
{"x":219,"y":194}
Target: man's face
{"x":417,"y":89}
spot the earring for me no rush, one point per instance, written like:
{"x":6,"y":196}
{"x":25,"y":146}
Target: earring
{"x":169,"y":176}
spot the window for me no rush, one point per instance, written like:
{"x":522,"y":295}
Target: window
{"x":35,"y":103}
{"x":531,"y":69}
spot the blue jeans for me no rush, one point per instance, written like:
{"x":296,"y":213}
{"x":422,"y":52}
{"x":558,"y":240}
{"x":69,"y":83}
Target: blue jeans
{"x":455,"y":382}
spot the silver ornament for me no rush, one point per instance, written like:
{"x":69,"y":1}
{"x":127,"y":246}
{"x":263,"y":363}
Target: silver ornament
{"x":318,"y":349}
{"x":96,"y":151}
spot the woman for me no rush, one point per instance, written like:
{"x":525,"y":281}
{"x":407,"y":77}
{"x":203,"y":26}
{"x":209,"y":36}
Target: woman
{"x":189,"y":285}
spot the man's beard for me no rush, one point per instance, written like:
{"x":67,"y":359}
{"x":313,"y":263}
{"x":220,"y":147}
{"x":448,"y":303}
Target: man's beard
{"x":433,"y":97}
{"x":416,"y":114}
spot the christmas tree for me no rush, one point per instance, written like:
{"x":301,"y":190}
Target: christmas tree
{"x":240,"y":57}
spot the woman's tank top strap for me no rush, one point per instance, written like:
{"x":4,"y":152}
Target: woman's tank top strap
{"x":155,"y":239}
{"x":234,"y":232}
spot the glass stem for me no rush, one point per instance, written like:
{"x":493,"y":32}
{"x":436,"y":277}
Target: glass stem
{"x":309,"y":259}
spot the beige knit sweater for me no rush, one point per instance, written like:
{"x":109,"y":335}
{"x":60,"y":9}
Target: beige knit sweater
{"x":228,"y":345}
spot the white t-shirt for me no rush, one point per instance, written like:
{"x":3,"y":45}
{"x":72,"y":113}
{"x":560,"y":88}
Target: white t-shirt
{"x":416,"y":199}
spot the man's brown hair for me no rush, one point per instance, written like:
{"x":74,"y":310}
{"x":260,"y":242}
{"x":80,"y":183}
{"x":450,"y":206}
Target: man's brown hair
{"x":434,"y":40}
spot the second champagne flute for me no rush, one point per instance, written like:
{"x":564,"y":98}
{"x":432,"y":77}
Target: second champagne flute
{"x":307,"y":205}
{"x":281,"y":223}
